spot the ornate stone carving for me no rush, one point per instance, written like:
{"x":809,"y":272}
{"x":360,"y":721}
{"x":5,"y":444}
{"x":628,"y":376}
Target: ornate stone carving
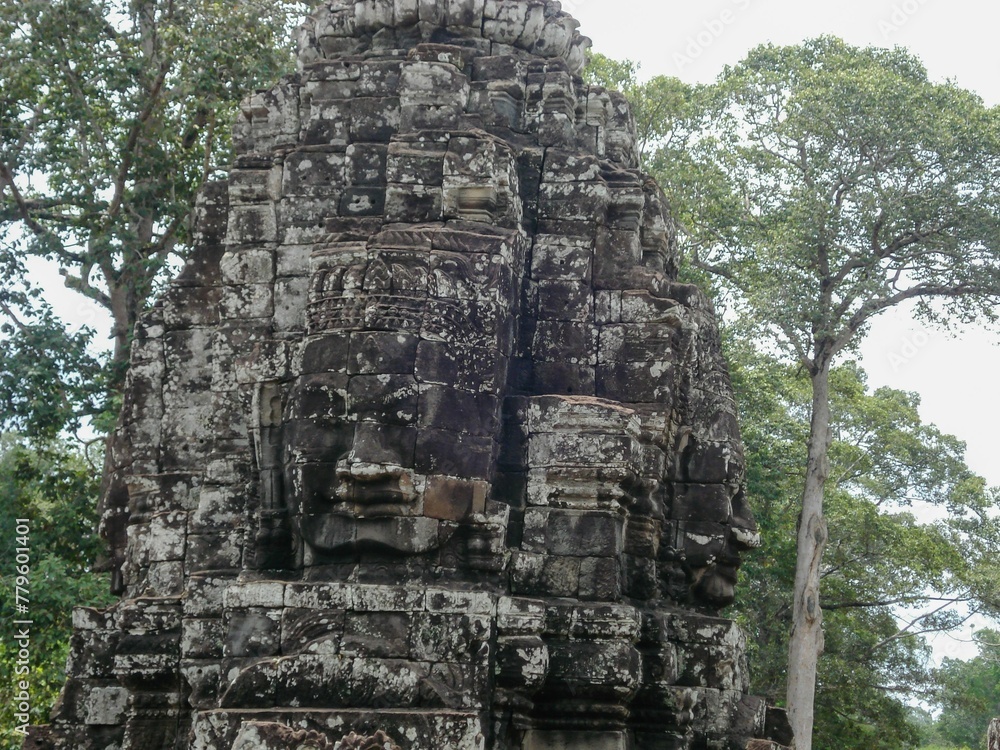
{"x":262,"y":735}
{"x":426,"y":442}
{"x":378,"y":741}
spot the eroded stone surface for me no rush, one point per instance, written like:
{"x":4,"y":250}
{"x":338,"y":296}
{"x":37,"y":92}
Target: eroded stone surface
{"x":426,"y":447}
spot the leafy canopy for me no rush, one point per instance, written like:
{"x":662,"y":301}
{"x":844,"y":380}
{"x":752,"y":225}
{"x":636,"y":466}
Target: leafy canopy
{"x":968,"y":693}
{"x":853,"y":184}
{"x":891,"y":575}
{"x":56,"y":488}
{"x":112,"y":115}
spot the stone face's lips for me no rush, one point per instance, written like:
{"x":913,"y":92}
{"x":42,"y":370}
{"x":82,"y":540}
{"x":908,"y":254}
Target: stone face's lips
{"x":343,"y":536}
{"x":747,"y":538}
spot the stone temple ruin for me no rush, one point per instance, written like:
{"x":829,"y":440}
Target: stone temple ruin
{"x":426,"y":448}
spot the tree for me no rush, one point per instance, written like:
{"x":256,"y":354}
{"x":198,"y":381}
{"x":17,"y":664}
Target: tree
{"x":54,"y":487}
{"x":842,"y":183}
{"x":49,"y":378}
{"x":112,"y":115}
{"x":888,"y":579}
{"x":969,"y":693}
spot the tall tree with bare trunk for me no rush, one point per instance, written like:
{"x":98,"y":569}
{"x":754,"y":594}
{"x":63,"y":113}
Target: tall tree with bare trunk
{"x":841,"y":183}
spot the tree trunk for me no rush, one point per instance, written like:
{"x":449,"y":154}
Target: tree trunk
{"x":993,"y":740}
{"x":806,"y":642}
{"x":122,"y":322}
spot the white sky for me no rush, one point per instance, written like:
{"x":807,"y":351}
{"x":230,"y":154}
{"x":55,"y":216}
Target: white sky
{"x":955,"y":377}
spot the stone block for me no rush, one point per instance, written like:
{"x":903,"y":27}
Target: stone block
{"x":543,"y":739}
{"x":413,"y":203}
{"x":253,"y":633}
{"x":372,"y":598}
{"x":454,"y":499}
{"x":543,"y":575}
{"x":106,"y":706}
{"x":561,"y":258}
{"x":384,"y":443}
{"x":366,"y":164}
{"x":260,"y":595}
{"x":601,"y":579}
{"x":701,"y":502}
{"x":637,"y":382}
{"x":596,"y":669}
{"x":432,"y":12}
{"x":384,"y":635}
{"x":416,"y":162}
{"x":385,"y":399}
{"x":203,"y":679}
{"x":203,"y":638}
{"x":454,"y":454}
{"x":705,"y":462}
{"x":459,"y":602}
{"x":406,"y":12}
{"x":210,"y":552}
{"x":382,"y":353}
{"x":315,"y":173}
{"x":563,"y":378}
{"x":449,"y":637}
{"x":458,"y":410}
{"x":374,"y":119}
{"x":251,"y":224}
{"x":558,"y":531}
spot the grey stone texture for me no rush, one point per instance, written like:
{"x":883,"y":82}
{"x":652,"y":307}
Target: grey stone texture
{"x":425,"y":447}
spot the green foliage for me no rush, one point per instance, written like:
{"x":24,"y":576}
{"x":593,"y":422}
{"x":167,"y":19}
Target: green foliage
{"x":844,"y":182}
{"x":882,"y":562}
{"x":49,"y":379}
{"x":56,"y":489}
{"x":969,"y":693}
{"x":112,"y":115}
{"x":821,"y":185}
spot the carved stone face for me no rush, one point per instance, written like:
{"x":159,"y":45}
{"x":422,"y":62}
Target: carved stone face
{"x":393,"y":424}
{"x":713,"y":562}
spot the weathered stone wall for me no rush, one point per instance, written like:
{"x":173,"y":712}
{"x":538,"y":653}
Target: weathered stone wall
{"x":426,"y":439}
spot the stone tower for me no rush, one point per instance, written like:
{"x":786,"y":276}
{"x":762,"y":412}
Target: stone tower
{"x":425,"y":448}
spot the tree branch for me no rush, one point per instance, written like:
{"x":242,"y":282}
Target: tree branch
{"x":9,"y":312}
{"x":907,"y":633}
{"x":81,"y":95}
{"x":7,"y":179}
{"x":128,"y":151}
{"x":82,"y":285}
{"x":900,"y":600}
{"x":920,"y":291}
